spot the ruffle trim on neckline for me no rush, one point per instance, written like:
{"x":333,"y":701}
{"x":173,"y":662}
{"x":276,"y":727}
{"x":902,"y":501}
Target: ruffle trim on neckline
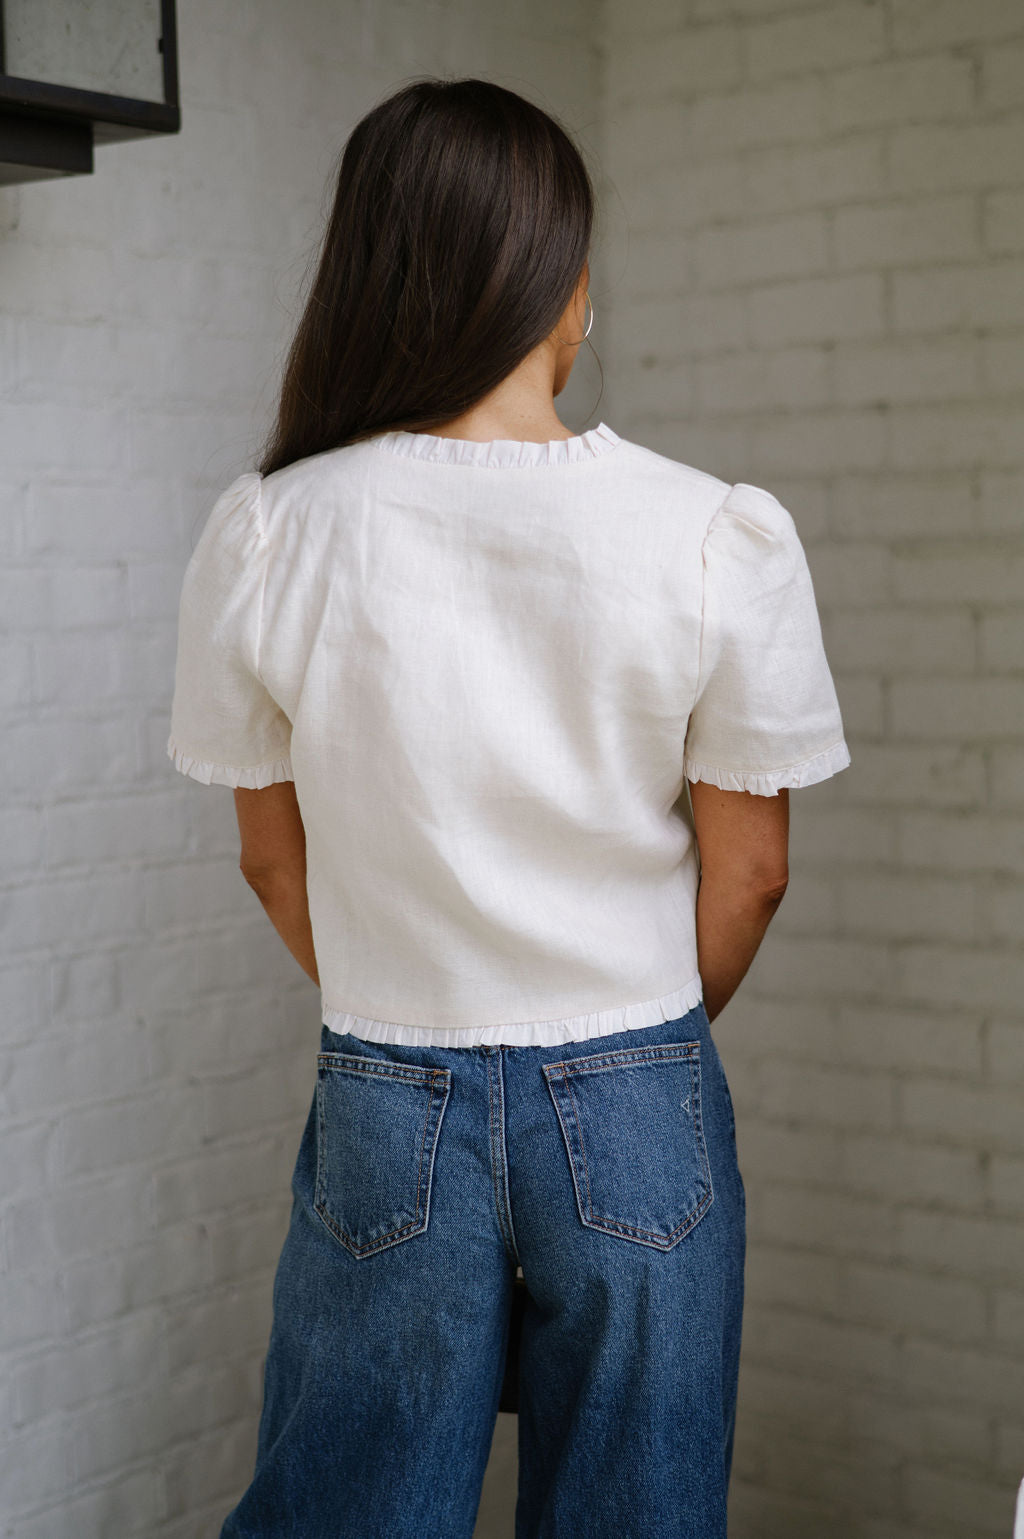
{"x":251,"y":778}
{"x":499,"y":452}
{"x":572,"y":1028}
{"x":771,"y":782}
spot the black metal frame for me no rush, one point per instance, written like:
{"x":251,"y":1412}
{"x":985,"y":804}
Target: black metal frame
{"x":50,"y":129}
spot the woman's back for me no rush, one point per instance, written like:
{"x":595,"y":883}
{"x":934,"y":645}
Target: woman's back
{"x":480,"y":663}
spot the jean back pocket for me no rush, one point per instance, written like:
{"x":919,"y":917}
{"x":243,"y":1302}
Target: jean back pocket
{"x":631,"y":1121}
{"x":377,"y":1130}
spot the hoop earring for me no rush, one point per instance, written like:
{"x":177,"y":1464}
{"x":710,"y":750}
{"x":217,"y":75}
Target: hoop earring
{"x":590,"y":323}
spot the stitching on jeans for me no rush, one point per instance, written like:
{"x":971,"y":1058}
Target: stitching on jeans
{"x":579,"y":1133}
{"x":698,"y":1117}
{"x":423,"y":1143}
{"x":350,"y":1063}
{"x":415,"y":1225}
{"x":494,"y":1060}
{"x":595,"y":1062}
{"x":615,"y":1226}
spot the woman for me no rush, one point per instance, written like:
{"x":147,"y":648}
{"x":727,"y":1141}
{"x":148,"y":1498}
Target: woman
{"x":459,"y":665}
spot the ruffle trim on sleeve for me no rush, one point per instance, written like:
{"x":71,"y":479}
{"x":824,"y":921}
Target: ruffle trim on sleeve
{"x":771,"y":782}
{"x":251,"y":777}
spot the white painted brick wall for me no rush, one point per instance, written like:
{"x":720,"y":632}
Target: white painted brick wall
{"x":816,"y":285}
{"x":157,"y":1042}
{"x":821,"y":292}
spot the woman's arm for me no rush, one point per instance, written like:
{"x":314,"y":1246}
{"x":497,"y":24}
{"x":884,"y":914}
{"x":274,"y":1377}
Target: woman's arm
{"x":273,"y":862}
{"x":742,"y":839}
{"x":744,"y":868}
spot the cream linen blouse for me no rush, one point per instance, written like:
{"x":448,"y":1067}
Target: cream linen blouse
{"x":487,"y":668}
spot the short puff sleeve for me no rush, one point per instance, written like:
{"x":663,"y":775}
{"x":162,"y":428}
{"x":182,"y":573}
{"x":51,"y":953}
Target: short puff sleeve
{"x":226,"y":729}
{"x":766,"y":715}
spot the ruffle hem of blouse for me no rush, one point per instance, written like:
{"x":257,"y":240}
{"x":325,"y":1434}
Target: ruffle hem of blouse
{"x":771,"y":782}
{"x":499,"y":451}
{"x":571,"y":1028}
{"x":251,"y":778}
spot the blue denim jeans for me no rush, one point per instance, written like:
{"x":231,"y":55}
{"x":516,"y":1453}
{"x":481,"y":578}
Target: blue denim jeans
{"x":607,"y":1169}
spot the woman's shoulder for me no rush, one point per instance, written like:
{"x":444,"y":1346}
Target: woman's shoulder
{"x":683,"y":485}
{"x":298,"y":499}
{"x":325,"y":467}
{"x":729,"y":502}
{"x":660,"y":462}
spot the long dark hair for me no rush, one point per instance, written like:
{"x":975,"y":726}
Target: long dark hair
{"x":461,"y":223}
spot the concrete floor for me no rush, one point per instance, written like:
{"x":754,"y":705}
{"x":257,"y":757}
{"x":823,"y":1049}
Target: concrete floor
{"x":496,"y":1518}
